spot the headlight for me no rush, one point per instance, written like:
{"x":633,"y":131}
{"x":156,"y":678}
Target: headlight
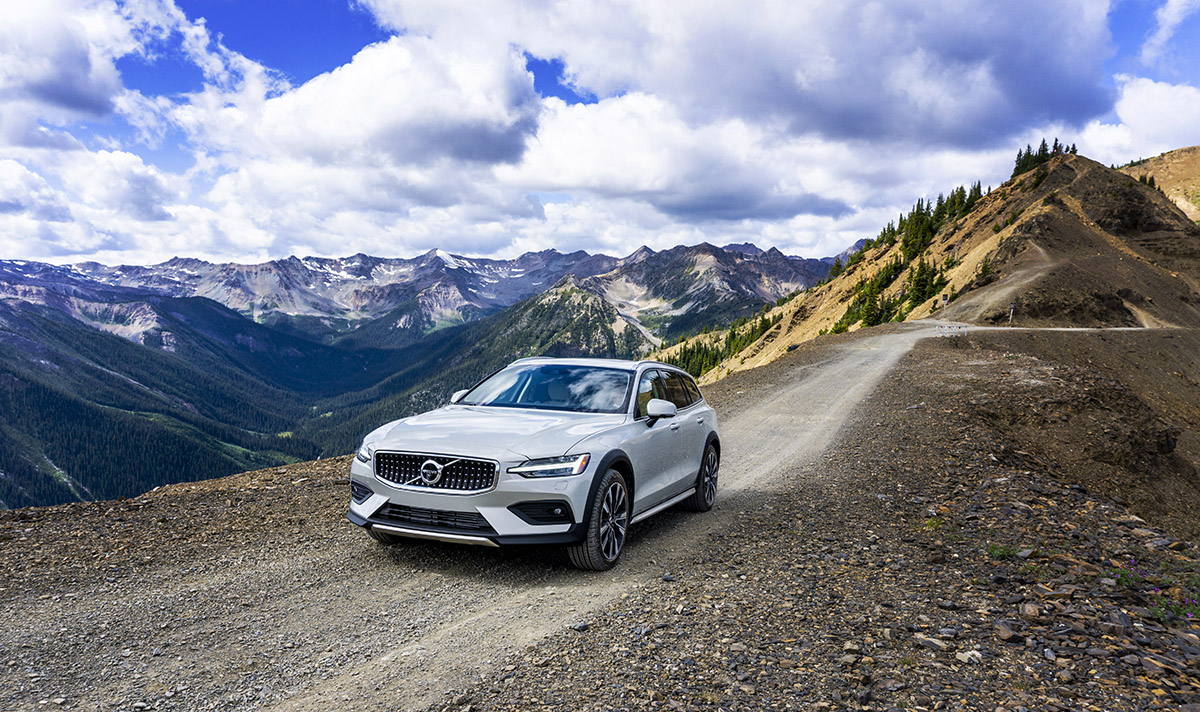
{"x":364,"y":454}
{"x":552,"y":466}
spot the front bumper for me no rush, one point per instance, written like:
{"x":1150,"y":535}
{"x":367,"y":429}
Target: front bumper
{"x":517,"y":510}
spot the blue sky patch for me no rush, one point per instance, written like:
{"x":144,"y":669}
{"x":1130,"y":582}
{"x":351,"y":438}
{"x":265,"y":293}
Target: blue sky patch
{"x":300,"y":39}
{"x":548,"y":80}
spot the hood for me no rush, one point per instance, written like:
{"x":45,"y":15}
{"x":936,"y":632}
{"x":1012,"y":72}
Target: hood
{"x":490,"y":432}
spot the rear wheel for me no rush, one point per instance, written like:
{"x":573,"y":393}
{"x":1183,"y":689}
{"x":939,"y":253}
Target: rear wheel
{"x":706,"y":482}
{"x":605,"y":536}
{"x":383,"y":537}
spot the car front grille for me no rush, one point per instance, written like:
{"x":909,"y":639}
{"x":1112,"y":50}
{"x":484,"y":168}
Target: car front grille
{"x":432,"y":519}
{"x":437,"y":472}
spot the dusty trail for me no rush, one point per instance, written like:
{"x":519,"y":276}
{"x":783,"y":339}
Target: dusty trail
{"x":342,"y":621}
{"x":997,"y":296}
{"x":792,"y":426}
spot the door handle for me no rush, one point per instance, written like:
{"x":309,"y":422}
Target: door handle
{"x":674,"y":426}
{"x":699,"y":419}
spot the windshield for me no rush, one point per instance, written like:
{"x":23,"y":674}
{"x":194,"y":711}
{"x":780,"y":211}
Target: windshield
{"x":584,"y":389}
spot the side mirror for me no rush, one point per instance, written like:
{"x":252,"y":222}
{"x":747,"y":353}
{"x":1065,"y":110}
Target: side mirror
{"x":659,"y":408}
{"x":458,"y":395}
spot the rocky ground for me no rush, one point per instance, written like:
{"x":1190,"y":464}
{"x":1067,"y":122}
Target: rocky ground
{"x":940,"y":554}
{"x":927,"y":563}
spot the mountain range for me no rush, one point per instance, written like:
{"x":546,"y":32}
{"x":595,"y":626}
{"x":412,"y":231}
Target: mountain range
{"x":114,"y":380}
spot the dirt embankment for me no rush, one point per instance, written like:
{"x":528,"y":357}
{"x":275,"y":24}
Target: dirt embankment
{"x":1119,"y":410}
{"x":917,"y":529}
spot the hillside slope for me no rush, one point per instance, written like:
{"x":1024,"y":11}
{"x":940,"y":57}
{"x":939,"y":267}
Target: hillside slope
{"x":86,"y":414}
{"x":1070,"y":244}
{"x":1177,"y":174}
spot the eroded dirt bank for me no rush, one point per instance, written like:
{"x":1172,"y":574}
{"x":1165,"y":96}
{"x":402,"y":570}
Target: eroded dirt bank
{"x":886,"y":536}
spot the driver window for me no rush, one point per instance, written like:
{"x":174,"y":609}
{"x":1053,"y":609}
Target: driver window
{"x":651,"y":386}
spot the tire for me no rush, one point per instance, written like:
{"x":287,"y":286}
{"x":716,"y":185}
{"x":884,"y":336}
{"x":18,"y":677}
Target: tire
{"x":706,"y":482}
{"x":383,"y":537}
{"x":605,"y":538}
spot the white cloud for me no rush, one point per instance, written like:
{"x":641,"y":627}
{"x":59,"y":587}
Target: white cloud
{"x":1152,"y":117}
{"x":637,"y":146}
{"x":58,"y":64}
{"x":924,"y":71}
{"x":796,"y":123}
{"x":35,"y":219}
{"x":26,"y":194}
{"x":410,"y":100}
{"x":1167,"y":19}
{"x":147,"y":115}
{"x":352,"y":153}
{"x":119,"y":182}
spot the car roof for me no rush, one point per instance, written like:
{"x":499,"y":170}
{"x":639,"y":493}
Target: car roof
{"x":597,"y":362}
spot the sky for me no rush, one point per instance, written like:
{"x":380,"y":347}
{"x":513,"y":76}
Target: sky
{"x":134,"y":131}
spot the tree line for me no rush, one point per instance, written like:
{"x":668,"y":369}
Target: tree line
{"x":1028,"y":159}
{"x":701,"y":356}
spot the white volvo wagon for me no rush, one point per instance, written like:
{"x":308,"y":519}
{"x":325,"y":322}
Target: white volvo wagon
{"x":544,"y":451}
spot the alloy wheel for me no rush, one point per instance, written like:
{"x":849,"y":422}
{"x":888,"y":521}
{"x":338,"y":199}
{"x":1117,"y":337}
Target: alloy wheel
{"x":709,"y":481}
{"x":614,"y":516}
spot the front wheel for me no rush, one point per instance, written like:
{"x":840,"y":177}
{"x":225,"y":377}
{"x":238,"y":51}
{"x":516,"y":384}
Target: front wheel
{"x":706,"y":482}
{"x":605,"y":536}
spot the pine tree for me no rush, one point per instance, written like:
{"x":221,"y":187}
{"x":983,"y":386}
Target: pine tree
{"x":870,"y":309}
{"x":973,"y":197}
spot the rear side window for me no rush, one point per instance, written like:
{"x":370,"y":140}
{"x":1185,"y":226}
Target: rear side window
{"x":651,"y":386}
{"x":692,"y":389}
{"x":677,"y":392}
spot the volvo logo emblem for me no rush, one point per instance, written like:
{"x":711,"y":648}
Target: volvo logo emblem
{"x":431,"y":472}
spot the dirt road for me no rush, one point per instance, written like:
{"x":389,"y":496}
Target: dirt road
{"x":253,"y":592}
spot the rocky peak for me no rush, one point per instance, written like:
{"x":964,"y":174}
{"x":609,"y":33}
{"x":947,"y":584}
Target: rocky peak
{"x":746,"y":248}
{"x":640,"y":254}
